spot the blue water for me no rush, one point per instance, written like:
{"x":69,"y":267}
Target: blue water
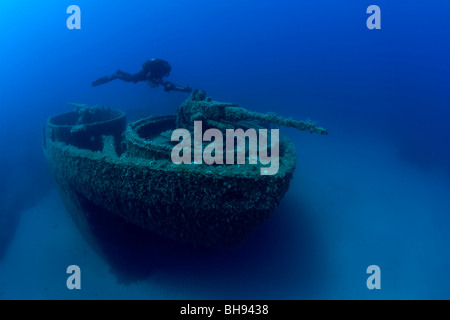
{"x":375,"y":191}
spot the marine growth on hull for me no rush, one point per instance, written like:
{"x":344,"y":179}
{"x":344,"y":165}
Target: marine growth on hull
{"x":207,"y":176}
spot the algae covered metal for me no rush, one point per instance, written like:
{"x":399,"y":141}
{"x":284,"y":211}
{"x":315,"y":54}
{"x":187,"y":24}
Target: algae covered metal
{"x":101,"y":165}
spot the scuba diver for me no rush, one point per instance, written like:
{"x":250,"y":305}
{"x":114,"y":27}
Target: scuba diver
{"x":152,"y":71}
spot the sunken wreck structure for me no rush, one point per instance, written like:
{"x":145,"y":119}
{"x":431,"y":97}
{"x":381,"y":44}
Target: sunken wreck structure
{"x":125,"y":170}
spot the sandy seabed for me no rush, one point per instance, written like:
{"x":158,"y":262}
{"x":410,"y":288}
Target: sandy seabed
{"x":351,"y":204}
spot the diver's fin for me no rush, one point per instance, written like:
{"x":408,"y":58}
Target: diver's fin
{"x":103,"y":80}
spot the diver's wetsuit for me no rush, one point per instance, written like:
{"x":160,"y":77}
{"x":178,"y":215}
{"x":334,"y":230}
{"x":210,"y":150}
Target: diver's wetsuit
{"x":152,"y":71}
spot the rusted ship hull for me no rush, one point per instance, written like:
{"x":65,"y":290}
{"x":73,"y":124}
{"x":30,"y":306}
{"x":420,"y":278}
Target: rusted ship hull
{"x":211,"y":206}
